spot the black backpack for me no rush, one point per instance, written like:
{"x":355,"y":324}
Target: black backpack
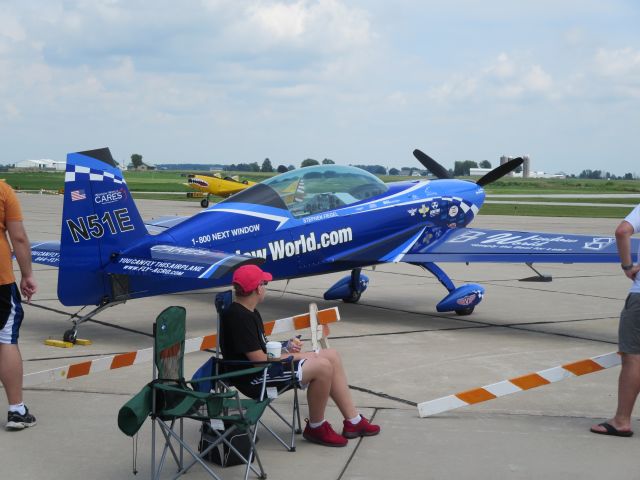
{"x":221,"y":454}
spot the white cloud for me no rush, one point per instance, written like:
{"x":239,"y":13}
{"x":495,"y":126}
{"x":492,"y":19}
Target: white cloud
{"x":618,"y":63}
{"x":504,"y":78}
{"x":313,"y":26}
{"x":10,"y":26}
{"x":234,"y":75}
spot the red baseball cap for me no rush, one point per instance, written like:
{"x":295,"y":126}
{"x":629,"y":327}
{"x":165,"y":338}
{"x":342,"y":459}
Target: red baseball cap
{"x":248,"y":277}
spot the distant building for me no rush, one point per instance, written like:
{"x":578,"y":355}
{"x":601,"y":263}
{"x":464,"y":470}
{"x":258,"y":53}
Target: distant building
{"x":45,"y":164}
{"x":478,"y":172}
{"x":142,"y":168}
{"x":526,"y":165}
{"x":546,"y":175}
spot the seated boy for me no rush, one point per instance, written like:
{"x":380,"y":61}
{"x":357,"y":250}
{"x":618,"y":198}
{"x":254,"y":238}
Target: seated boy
{"x":322,"y":373}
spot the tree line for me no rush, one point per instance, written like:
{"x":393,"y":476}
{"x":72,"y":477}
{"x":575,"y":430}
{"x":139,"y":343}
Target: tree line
{"x":461,"y":168}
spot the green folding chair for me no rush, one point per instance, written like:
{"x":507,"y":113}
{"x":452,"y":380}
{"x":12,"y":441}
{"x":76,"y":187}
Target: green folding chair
{"x":169,"y":399}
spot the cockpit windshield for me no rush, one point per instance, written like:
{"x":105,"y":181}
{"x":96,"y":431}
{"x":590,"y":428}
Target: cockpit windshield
{"x":311,"y":190}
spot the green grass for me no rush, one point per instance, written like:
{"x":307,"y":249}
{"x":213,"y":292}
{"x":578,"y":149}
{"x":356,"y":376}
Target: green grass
{"x":157,"y":181}
{"x":140,"y":183}
{"x":562,"y":185}
{"x":622,"y":201}
{"x":554,"y":211}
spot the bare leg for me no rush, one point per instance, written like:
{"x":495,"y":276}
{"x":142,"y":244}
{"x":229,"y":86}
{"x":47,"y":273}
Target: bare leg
{"x":317,"y":372}
{"x":340,"y":392}
{"x":628,"y":388}
{"x":11,"y":372}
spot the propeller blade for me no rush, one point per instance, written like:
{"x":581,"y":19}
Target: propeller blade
{"x":500,"y":171}
{"x":431,"y":165}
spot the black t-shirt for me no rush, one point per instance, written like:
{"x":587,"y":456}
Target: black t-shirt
{"x":241,"y":331}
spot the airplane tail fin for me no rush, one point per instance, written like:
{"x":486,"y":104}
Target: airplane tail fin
{"x":99,"y":219}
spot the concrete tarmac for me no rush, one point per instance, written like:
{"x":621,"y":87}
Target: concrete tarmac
{"x":398,"y":351}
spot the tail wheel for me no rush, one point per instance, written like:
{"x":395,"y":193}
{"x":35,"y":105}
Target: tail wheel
{"x":70,"y":335}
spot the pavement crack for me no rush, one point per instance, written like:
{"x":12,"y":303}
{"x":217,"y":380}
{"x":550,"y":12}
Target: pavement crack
{"x":348,"y":462}
{"x":383,"y":395}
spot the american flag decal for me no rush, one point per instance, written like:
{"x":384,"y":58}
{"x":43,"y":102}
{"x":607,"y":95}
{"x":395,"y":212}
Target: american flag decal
{"x":77,"y":195}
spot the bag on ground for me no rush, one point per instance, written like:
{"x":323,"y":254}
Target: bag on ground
{"x":221,"y":454}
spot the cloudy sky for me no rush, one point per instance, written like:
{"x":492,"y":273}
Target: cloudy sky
{"x":361,"y":81}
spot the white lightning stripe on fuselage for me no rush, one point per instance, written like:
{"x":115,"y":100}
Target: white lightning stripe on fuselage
{"x":266,"y":216}
{"x":206,"y":272}
{"x":409,"y":245}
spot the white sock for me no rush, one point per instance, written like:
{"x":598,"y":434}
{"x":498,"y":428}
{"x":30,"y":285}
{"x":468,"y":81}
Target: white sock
{"x":18,"y":408}
{"x":316,"y":424}
{"x":355,"y":420}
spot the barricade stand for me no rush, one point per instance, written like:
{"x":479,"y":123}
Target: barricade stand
{"x":518,"y":384}
{"x":316,"y":320}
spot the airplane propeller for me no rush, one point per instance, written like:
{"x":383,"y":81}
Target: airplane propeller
{"x":431,"y":165}
{"x":441,"y":172}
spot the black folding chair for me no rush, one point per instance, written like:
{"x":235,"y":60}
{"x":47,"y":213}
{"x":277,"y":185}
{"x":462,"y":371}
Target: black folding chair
{"x":222,"y":301}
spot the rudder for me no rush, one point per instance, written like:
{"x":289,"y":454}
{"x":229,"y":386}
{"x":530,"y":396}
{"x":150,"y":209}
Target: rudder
{"x":99,"y":219}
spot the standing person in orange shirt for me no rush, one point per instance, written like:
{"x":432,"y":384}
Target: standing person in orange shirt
{"x":11,"y":312}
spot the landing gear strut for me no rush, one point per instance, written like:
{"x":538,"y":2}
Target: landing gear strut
{"x":71,"y":335}
{"x":461,"y":300}
{"x":348,"y":289}
{"x":356,"y":291}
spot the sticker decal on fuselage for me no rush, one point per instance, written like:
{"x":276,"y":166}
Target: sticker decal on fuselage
{"x":281,"y":249}
{"x":93,"y":226}
{"x":225,"y":234}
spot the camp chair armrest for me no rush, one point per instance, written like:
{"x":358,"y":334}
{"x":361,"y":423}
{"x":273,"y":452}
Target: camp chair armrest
{"x":238,"y":373}
{"x":286,"y":362}
{"x":185,"y":392}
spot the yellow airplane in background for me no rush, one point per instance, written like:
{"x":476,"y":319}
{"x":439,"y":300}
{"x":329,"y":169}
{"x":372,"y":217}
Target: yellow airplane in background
{"x":217,"y":185}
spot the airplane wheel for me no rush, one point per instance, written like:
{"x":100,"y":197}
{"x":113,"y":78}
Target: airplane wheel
{"x":70,"y":335}
{"x":465,"y":311}
{"x":355,"y":296}
{"x":204,"y":203}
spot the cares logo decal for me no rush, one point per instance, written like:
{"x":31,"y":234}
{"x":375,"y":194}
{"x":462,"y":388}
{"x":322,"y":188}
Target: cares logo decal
{"x":466,"y":300}
{"x":111,"y":196}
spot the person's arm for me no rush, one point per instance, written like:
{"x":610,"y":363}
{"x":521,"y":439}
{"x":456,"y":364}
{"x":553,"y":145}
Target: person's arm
{"x":623,"y":242}
{"x":22,"y":251}
{"x":256,"y":356}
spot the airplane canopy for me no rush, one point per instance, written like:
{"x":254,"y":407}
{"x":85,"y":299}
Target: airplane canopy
{"x":312,"y":190}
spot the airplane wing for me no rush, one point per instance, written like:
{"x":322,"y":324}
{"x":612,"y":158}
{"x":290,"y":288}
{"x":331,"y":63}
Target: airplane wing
{"x":483,"y":245}
{"x":46,"y":253}
{"x":174,"y":261}
{"x":388,"y":248}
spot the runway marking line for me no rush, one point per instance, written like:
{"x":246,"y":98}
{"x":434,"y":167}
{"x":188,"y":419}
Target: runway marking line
{"x":121,"y":360}
{"x":518,"y":384}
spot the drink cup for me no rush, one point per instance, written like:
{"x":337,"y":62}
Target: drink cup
{"x":274,"y":350}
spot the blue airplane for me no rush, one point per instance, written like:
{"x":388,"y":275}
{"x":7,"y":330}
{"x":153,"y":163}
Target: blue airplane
{"x":309,"y":221}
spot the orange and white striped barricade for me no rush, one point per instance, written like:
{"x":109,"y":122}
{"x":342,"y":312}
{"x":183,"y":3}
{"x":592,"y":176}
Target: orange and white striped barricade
{"x":321,"y":319}
{"x":518,"y":384}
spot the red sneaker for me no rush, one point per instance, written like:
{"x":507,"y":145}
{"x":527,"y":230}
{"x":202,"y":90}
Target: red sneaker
{"x":324,"y":435}
{"x":361,"y":429}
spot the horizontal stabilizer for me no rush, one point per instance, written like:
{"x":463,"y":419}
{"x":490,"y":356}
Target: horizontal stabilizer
{"x":481,"y":245}
{"x":174,"y":261}
{"x":46,"y":253}
{"x":160,"y":224}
